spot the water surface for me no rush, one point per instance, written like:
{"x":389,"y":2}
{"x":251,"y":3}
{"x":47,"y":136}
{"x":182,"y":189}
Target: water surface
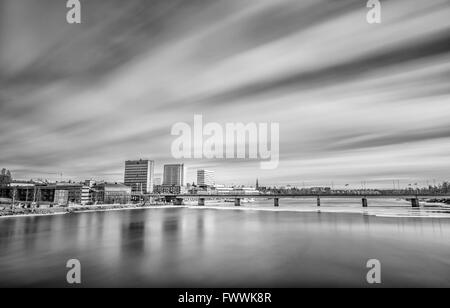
{"x":226,"y":247}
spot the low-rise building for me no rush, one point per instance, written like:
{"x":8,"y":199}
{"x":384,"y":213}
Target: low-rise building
{"x":86,"y":195}
{"x":223,"y":190}
{"x":73,"y":191}
{"x":111,"y":193}
{"x":169,"y":189}
{"x":61,"y":198}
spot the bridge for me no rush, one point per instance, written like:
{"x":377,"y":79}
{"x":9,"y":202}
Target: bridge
{"x":178,"y":199}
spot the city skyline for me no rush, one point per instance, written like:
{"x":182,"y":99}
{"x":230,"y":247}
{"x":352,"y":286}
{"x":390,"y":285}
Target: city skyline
{"x":224,"y":149}
{"x":151,"y":177}
{"x":82,"y":99}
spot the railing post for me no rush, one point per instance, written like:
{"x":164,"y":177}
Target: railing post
{"x":318,"y":200}
{"x":276,"y":202}
{"x":237,"y":202}
{"x":415,"y":202}
{"x":201,"y":201}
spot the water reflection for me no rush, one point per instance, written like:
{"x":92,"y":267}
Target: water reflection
{"x":180,"y":247}
{"x":133,"y":237}
{"x":200,"y":228}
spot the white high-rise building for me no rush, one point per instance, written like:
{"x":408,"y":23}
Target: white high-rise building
{"x":139,"y":175}
{"x":205,"y":178}
{"x":174,"y":174}
{"x":158,"y":179}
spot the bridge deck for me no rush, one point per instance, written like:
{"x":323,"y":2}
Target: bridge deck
{"x":400,"y":196}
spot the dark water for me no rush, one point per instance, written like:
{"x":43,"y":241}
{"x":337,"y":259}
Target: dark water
{"x":182,"y":247}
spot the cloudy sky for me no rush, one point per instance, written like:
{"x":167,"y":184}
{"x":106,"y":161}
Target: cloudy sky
{"x":355,"y":102}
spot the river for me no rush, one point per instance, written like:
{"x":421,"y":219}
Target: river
{"x":256,"y":245}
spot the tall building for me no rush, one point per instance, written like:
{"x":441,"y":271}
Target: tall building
{"x":139,"y":175}
{"x":174,"y":174}
{"x":5,"y":177}
{"x":205,"y":178}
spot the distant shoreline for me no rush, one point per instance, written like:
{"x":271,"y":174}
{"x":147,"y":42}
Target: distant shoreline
{"x":8,"y":213}
{"x":392,"y":211}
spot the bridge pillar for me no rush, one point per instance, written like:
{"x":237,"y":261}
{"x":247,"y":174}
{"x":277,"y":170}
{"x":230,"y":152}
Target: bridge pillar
{"x":364,"y":202}
{"x":415,"y":202}
{"x":201,"y":201}
{"x":168,"y":199}
{"x":237,"y":202}
{"x":178,"y":201}
{"x":276,"y":202}
{"x":318,"y":200}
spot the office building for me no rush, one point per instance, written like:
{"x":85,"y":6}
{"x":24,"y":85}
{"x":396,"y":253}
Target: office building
{"x":111,"y":193}
{"x":174,"y":174}
{"x":139,"y":175}
{"x":205,"y":178}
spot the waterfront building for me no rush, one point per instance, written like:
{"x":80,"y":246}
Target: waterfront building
{"x":320,"y":190}
{"x":61,"y":198}
{"x":222,"y":190}
{"x":174,"y":174}
{"x":139,"y":175}
{"x":112,"y":193}
{"x":170,"y":189}
{"x":205,"y":178}
{"x":86,"y":195}
{"x":245,"y":191}
{"x":65,"y":194}
{"x":74,"y":191}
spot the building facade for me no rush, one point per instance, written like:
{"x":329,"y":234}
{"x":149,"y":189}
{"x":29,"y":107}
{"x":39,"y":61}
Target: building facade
{"x":223,"y":190}
{"x":205,"y":178}
{"x":61,"y":197}
{"x":68,"y":194}
{"x":174,"y":174}
{"x":111,"y":193}
{"x":170,"y":189}
{"x":5,"y":177}
{"x":74,"y":191}
{"x":139,"y":175}
{"x":158,"y":180}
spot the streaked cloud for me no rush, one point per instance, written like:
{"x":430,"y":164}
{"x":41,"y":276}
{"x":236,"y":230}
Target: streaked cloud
{"x":354,"y":101}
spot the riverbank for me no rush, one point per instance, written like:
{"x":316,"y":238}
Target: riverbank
{"x":392,"y":209}
{"x":19,"y":212}
{"x":439,"y":201}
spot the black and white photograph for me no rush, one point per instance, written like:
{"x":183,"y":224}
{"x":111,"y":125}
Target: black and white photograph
{"x":238,"y":146}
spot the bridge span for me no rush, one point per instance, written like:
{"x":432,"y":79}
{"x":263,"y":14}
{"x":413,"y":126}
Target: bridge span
{"x":178,"y":199}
